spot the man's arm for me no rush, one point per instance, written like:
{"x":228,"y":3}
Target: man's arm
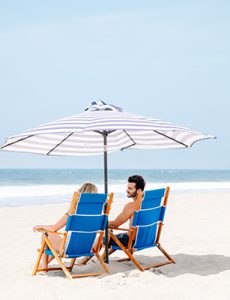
{"x":124,"y":216}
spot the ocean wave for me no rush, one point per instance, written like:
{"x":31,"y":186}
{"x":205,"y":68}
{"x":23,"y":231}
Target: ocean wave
{"x":67,"y":190}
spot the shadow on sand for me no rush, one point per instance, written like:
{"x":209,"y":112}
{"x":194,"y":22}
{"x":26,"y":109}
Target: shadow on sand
{"x":203,"y":265}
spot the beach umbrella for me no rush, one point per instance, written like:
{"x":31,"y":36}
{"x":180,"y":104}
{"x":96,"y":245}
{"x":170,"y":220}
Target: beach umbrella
{"x":102,"y":128}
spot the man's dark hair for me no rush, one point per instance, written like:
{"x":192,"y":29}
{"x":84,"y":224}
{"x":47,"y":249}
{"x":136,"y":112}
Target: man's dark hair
{"x":139,"y":180}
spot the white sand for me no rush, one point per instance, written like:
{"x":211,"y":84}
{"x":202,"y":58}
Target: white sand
{"x":196,"y":234}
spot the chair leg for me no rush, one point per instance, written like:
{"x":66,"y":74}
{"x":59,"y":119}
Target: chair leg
{"x":101,"y":260}
{"x":123,"y":259}
{"x":39,"y":258}
{"x":72,"y":264}
{"x":127,"y":252}
{"x":110,"y":252}
{"x":169,"y":260}
{"x":166,"y":254}
{"x":134,"y":260}
{"x":65,"y":270}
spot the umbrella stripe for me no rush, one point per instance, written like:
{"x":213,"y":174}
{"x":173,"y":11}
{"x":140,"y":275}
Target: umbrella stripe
{"x":140,"y":127}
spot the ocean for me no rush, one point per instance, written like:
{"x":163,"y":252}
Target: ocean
{"x":22,"y":187}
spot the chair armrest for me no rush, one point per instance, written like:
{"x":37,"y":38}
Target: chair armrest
{"x":122,"y":229}
{"x":50,"y":231}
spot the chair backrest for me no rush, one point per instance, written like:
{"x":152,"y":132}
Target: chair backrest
{"x":149,"y":218}
{"x":90,"y":217}
{"x":91,"y":204}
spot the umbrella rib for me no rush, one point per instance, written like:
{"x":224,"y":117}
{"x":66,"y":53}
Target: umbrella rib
{"x":22,"y":139}
{"x":48,"y":153}
{"x":130,"y":139}
{"x":102,"y":132}
{"x":168,"y":137}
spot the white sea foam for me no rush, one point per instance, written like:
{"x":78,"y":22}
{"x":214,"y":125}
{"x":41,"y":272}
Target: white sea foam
{"x":66,"y":190}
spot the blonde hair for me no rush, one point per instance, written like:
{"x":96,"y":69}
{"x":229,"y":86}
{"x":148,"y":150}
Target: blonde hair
{"x":88,"y":188}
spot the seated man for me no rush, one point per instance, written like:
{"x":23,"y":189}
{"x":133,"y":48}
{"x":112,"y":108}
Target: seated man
{"x":136,"y":185}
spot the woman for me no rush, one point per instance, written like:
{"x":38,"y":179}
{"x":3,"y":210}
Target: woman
{"x":55,"y":239}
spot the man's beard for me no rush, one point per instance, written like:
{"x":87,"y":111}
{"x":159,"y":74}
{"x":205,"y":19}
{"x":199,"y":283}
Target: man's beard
{"x":132,"y":195}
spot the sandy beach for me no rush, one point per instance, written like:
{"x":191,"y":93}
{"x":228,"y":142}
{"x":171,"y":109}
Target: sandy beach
{"x":196,"y":234}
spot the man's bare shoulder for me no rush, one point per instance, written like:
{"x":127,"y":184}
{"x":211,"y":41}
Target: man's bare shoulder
{"x":129,"y":207}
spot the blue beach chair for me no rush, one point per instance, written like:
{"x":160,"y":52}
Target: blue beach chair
{"x":86,"y":223}
{"x":146,"y":228}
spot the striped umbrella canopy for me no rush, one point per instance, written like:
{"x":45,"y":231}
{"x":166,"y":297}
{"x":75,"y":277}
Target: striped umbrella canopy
{"x":101,"y":129}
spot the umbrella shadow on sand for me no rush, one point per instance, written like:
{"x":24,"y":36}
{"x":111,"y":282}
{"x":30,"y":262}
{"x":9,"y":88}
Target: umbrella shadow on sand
{"x":203,"y":265}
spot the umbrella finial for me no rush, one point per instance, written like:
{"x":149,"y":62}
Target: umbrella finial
{"x":101,"y":105}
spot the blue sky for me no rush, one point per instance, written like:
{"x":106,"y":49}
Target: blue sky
{"x":165,"y":59}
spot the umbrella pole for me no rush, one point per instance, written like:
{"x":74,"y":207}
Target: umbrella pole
{"x":106,"y":191}
{"x":105,"y":163}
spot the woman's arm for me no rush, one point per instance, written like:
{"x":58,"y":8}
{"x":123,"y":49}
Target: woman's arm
{"x":58,"y":225}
